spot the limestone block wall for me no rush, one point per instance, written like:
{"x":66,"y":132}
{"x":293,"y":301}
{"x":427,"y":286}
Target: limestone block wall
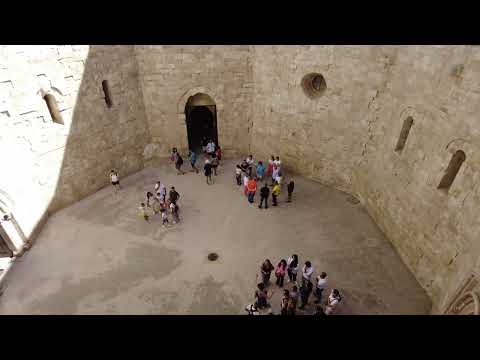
{"x":169,"y":75}
{"x":435,"y":232}
{"x":321,"y":138}
{"x":48,"y":165}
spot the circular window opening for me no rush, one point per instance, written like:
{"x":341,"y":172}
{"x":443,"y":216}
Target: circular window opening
{"x":212,"y":256}
{"x":314,"y":85}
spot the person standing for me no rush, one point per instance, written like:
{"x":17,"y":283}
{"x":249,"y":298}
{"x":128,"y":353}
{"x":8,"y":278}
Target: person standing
{"x":214,"y":164}
{"x":211,"y":148}
{"x":260,"y":170}
{"x":173,"y":155}
{"x":275,"y":194}
{"x":264,"y":193}
{"x":204,"y":144}
{"x":275,"y":172}
{"x":249,"y":161}
{"x":307,"y":272}
{"x":305,"y":291}
{"x":321,"y":285}
{"x":178,"y":165}
{"x":149,"y":198}
{"x":266,"y":270}
{"x":245,"y":184}
{"x":163,"y":193}
{"x":292,"y":269}
{"x":244,"y":165}
{"x":280,"y":272}
{"x":252,"y":189}
{"x":284,"y":302}
{"x":277,"y":162}
{"x":157,"y":187}
{"x":156,"y":206}
{"x":164,"y":217}
{"x":238,"y":175}
{"x":262,"y":296}
{"x":207,"y":169}
{"x":279,"y":178}
{"x":290,"y":187}
{"x":174,"y":211}
{"x":219,"y":153}
{"x":294,"y":295}
{"x":143,"y":211}
{"x":192,"y":155}
{"x":115,"y":180}
{"x":174,"y":196}
{"x":270,"y":165}
{"x":332,"y":302}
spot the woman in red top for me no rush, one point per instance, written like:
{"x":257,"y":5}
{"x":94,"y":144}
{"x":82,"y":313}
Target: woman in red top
{"x":280,"y":272}
{"x":251,"y":189}
{"x":270,"y":165}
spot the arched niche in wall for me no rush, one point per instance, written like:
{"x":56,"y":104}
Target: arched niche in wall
{"x":403,"y":129}
{"x":53,"y":109}
{"x":452,"y":170}
{"x":454,"y":163}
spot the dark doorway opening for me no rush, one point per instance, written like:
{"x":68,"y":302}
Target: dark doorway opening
{"x":201,"y":123}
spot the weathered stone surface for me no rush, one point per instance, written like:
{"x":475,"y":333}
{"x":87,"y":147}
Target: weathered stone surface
{"x":345,"y":138}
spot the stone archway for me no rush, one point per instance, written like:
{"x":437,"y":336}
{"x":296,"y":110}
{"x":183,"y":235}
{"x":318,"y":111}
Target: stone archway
{"x":182,"y":116}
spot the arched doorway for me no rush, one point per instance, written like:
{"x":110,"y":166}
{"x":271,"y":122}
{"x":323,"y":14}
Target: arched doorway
{"x":201,"y":119}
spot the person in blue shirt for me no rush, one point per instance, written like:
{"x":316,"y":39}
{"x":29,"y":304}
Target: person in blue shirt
{"x":260,"y":170}
{"x":193,"y":159}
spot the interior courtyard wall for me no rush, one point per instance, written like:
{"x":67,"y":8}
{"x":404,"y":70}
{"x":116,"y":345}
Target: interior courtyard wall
{"x":321,"y":138}
{"x":345,"y":138}
{"x":435,"y":232}
{"x":48,"y":165}
{"x":171,"y":74}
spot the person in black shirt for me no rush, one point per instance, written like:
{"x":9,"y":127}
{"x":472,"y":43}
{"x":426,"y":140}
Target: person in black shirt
{"x":178,"y":164}
{"x":244,"y":166}
{"x":264,"y":193}
{"x":173,"y":196}
{"x":290,"y":188}
{"x":214,"y":163}
{"x":305,"y":291}
{"x":207,"y":168}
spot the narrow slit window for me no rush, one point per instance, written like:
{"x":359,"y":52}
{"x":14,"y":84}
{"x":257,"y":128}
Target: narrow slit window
{"x":53,"y":109}
{"x":106,"y":91}
{"x":407,"y":124}
{"x":452,"y":170}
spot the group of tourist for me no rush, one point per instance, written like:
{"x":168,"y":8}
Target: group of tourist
{"x":157,"y":201}
{"x":290,"y":299}
{"x":249,"y":174}
{"x":213,"y":155}
{"x":160,"y":204}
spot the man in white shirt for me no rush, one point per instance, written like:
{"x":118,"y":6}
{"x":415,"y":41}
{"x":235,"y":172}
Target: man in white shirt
{"x":307,"y":272}
{"x":115,"y":180}
{"x":211,"y":147}
{"x":321,"y":285}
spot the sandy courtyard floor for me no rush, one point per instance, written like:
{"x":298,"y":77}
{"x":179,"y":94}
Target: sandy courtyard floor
{"x":99,"y":257}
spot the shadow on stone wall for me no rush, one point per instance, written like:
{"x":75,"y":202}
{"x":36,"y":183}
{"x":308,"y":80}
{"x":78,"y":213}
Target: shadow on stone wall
{"x":102,"y":137}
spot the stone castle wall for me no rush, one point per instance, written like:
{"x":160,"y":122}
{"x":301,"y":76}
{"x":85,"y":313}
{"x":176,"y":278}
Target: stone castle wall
{"x":344,"y":138}
{"x":171,"y":74}
{"x":48,"y":165}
